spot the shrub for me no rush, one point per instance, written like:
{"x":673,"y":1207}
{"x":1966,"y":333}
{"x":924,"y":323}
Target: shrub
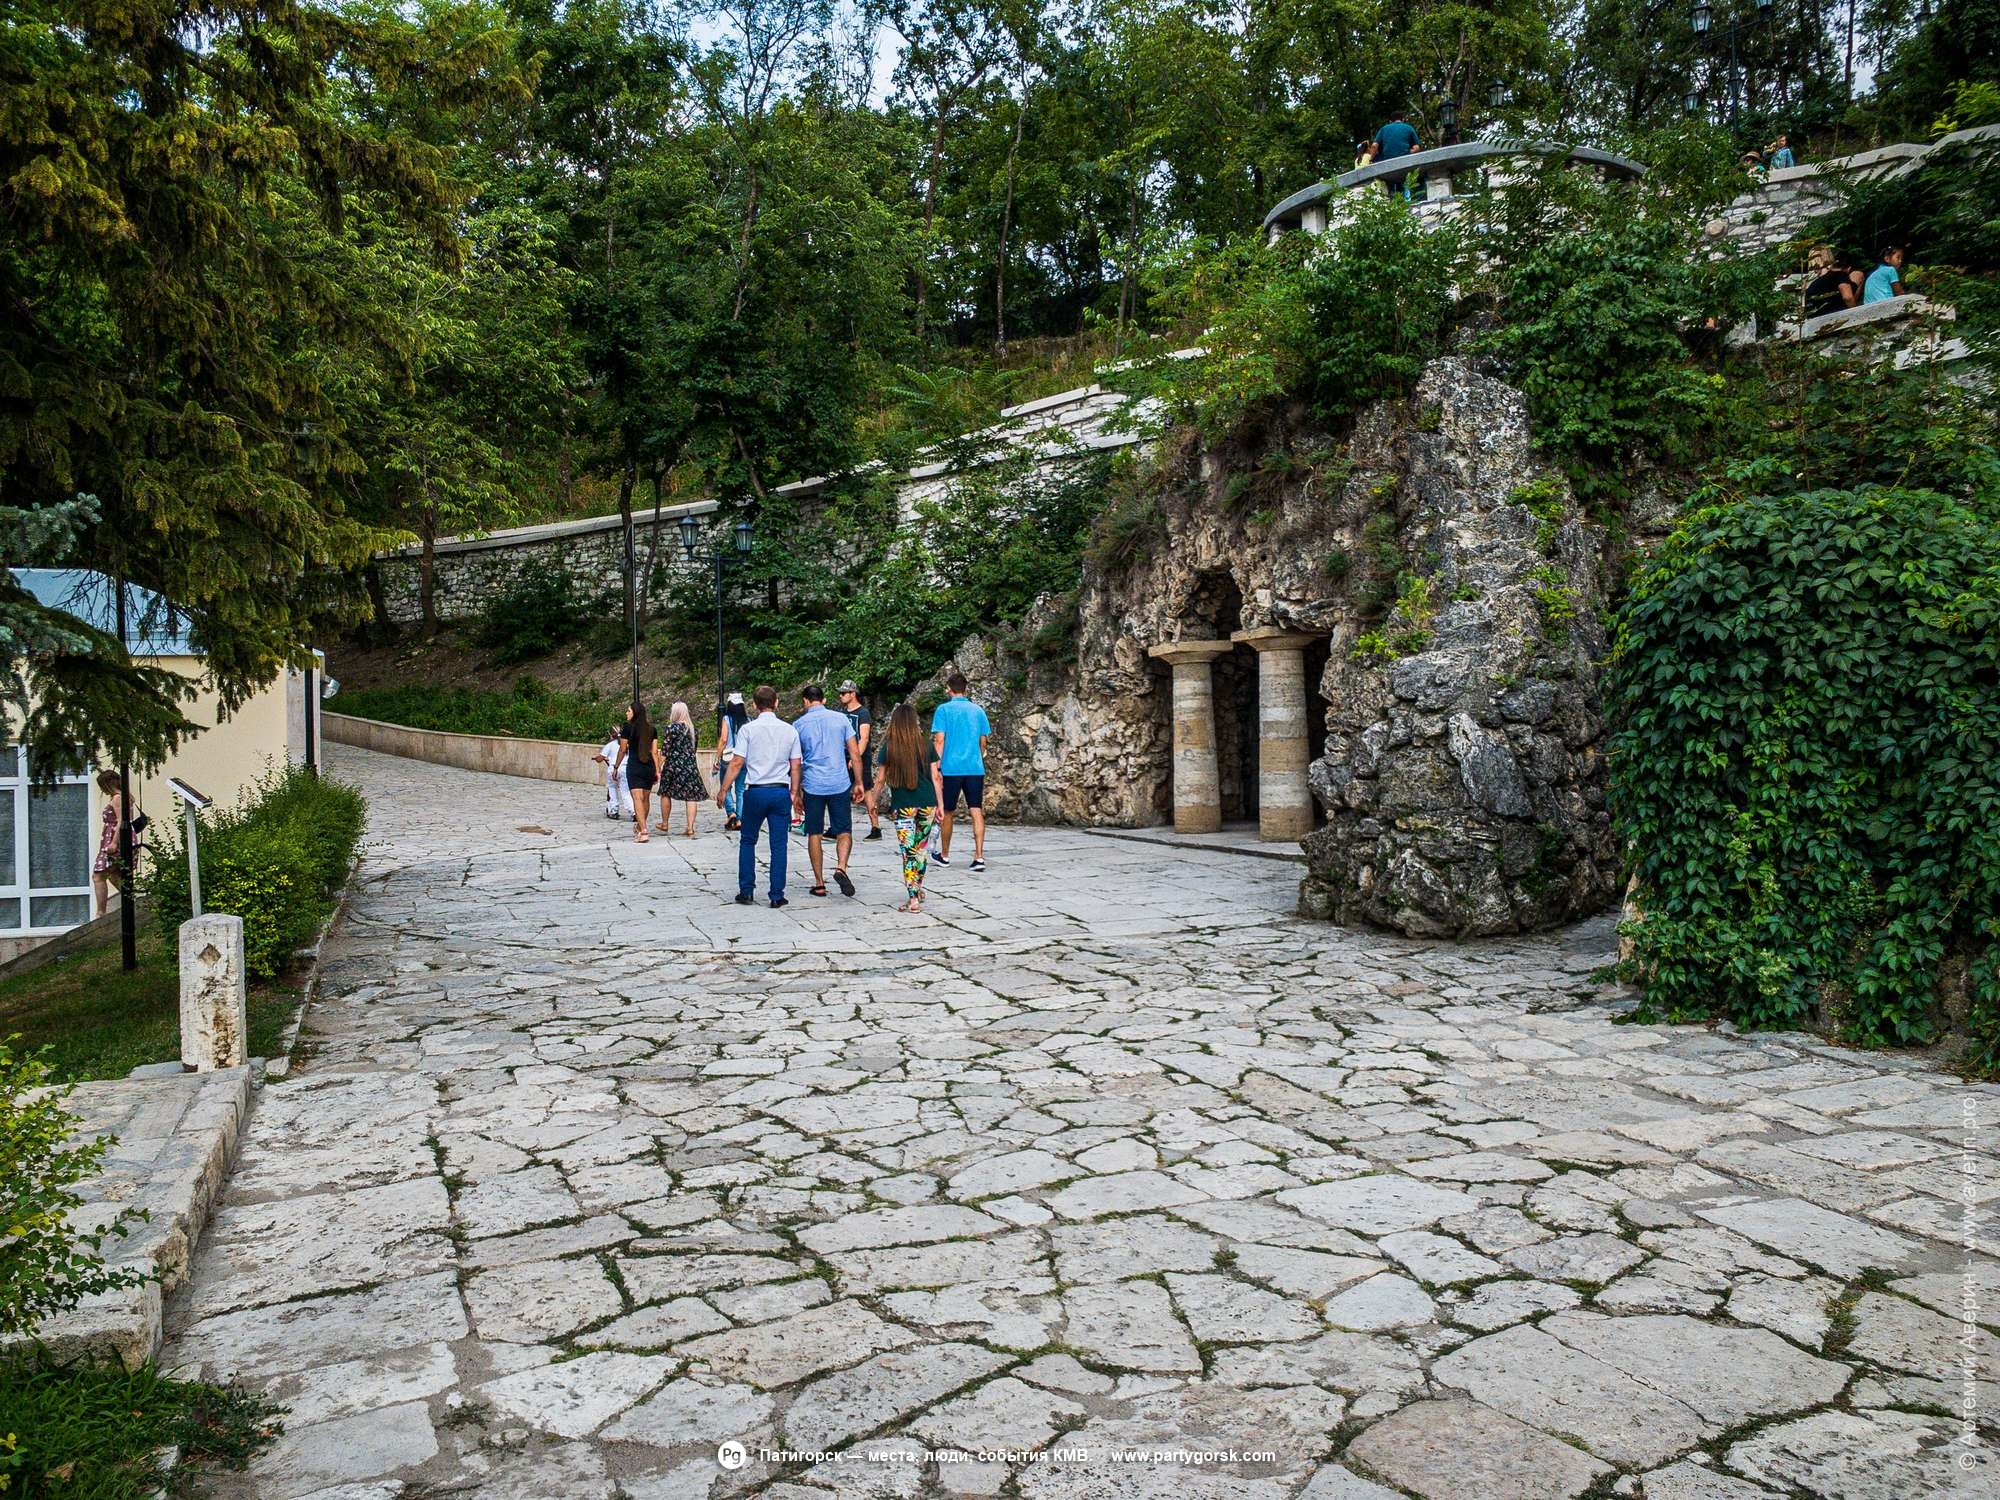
{"x":539,"y":610}
{"x":47,"y":1264}
{"x":1807,"y":761}
{"x":540,"y":712}
{"x":277,"y":862}
{"x":1348,"y":317}
{"x":1597,"y":288}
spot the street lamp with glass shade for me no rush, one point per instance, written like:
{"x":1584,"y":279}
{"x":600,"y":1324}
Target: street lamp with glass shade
{"x":1704,"y":15}
{"x":1496,"y":94}
{"x":1448,"y":119}
{"x":719,"y":559}
{"x":1690,"y":103}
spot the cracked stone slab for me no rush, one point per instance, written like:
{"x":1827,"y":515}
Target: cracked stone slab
{"x":689,"y":1411}
{"x":1129,"y":1325}
{"x":1445,"y":1450}
{"x":1378,"y":1205}
{"x":1884,"y":1455}
{"x":781,"y":1353}
{"x":1837,"y":1243}
{"x":1536,"y":1378}
{"x":879,"y":1228}
{"x":840,"y":1407}
{"x":1726,"y":1375}
{"x":576,"y":1397}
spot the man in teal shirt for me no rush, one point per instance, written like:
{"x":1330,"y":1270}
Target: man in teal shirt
{"x":1886,"y":280}
{"x":958,"y":737}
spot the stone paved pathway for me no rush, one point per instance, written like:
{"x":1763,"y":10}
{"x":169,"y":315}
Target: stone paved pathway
{"x":1107,"y":1165}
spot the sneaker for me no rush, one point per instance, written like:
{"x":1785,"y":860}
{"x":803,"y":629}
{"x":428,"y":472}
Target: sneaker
{"x":778,"y":901}
{"x":873,"y":833}
{"x":978,"y":864}
{"x":746,"y":900}
{"x":940,"y":859}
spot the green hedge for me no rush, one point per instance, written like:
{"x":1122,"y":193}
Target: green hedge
{"x":1808,"y":764}
{"x":277,"y":862}
{"x":531,"y":710}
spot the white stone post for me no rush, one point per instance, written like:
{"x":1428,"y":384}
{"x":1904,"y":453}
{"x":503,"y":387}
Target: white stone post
{"x":1284,"y":735}
{"x":1197,"y":779}
{"x":213,"y":1019}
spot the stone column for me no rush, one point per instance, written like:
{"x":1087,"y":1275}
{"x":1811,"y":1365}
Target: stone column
{"x":213,"y":1022}
{"x":1197,"y":784}
{"x":1284,"y":734}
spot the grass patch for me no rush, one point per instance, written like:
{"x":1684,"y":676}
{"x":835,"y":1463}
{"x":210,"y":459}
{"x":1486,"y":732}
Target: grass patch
{"x":86,"y":1433}
{"x":98,"y":1021}
{"x":529,"y":710}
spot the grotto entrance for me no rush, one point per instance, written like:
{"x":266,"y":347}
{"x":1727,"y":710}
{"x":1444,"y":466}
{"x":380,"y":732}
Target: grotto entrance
{"x":1247,"y":717}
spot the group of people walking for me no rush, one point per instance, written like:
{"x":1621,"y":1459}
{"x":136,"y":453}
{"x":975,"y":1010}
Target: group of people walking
{"x":812,"y":771}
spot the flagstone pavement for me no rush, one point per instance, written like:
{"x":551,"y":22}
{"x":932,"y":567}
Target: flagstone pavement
{"x":1106,"y":1178}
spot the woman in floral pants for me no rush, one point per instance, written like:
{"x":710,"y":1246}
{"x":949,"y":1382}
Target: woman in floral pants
{"x":910,"y":773}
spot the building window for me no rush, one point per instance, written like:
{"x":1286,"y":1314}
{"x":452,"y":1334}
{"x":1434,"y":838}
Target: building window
{"x":46,"y":848}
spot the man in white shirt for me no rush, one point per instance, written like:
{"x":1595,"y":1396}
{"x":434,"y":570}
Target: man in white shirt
{"x":766,"y":759}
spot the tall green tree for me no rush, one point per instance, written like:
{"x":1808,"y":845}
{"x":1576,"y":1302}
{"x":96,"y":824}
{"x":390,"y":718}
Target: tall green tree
{"x":158,"y":332}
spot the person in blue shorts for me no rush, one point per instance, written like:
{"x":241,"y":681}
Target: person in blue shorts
{"x":958,"y":736}
{"x":831,"y":779}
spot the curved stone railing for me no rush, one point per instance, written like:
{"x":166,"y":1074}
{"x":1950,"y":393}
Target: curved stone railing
{"x":503,"y":755}
{"x":1308,"y":210}
{"x":1781,"y":206}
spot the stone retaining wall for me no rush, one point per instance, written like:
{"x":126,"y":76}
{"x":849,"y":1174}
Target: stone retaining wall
{"x":1783,"y":205}
{"x":470,"y":573}
{"x":177,"y":1135}
{"x":503,"y":755}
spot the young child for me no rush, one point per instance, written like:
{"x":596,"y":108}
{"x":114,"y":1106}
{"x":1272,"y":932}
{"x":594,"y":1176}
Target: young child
{"x":617,"y":795}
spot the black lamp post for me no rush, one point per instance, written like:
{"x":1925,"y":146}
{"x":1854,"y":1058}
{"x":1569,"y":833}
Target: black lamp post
{"x":1703,"y":17}
{"x":719,"y":557}
{"x":1448,"y":119}
{"x":1496,"y":95}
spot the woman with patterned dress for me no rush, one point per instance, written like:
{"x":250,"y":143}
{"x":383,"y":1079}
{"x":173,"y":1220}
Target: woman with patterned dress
{"x":681,"y":780}
{"x":909,"y":771}
{"x":106,"y":875}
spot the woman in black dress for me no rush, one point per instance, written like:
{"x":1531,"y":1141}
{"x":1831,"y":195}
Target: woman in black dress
{"x":639,"y":759}
{"x":680,"y":775}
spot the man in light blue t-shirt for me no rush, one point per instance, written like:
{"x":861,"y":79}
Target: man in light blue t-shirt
{"x":831,"y":781}
{"x":958,"y":738}
{"x":1886,"y":280}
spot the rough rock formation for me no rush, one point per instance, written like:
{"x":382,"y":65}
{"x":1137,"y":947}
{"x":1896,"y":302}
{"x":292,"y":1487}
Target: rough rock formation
{"x":1463,"y":782}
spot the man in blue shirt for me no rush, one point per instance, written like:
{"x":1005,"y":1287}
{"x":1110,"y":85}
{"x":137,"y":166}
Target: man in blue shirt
{"x":1886,"y":280}
{"x":831,"y":780}
{"x":958,"y":737}
{"x":1778,"y":155}
{"x":1397,"y":138}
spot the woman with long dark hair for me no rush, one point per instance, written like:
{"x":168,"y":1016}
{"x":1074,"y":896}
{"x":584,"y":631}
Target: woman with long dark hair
{"x":639,"y":758}
{"x":909,"y":771}
{"x":729,"y":722}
